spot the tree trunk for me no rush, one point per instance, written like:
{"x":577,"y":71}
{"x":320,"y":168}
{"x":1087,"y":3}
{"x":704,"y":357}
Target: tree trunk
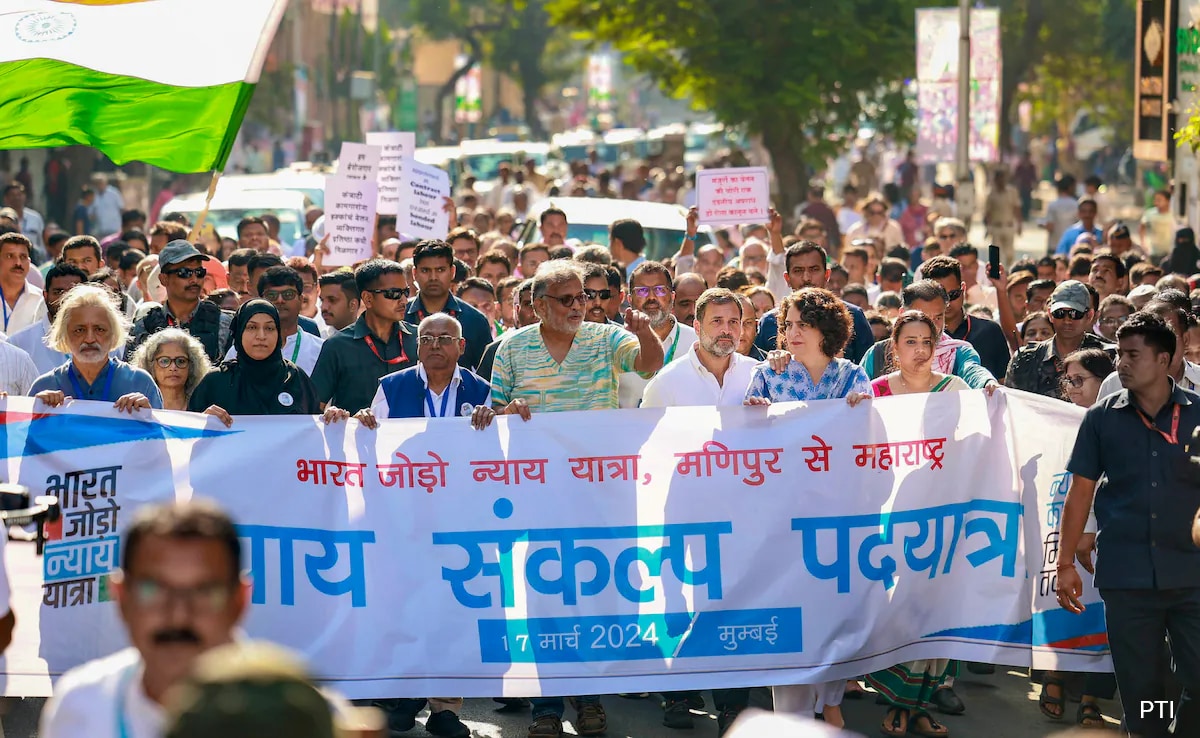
{"x":786,"y":146}
{"x":1017,"y":62}
{"x":529,"y":98}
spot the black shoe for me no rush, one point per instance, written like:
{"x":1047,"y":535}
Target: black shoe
{"x":446,"y":724}
{"x":511,"y":704}
{"x":977,"y":668}
{"x":676,"y":715}
{"x":402,"y":713}
{"x":695,"y":701}
{"x":947,"y":702}
{"x":725,"y":720}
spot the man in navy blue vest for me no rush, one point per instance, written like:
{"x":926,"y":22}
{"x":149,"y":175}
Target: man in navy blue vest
{"x":437,"y":387}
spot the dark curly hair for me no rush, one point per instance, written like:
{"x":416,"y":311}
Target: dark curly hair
{"x":822,"y":310}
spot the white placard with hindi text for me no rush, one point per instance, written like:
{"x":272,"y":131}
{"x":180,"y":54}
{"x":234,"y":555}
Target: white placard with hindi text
{"x":730,"y":196}
{"x":359,"y":161}
{"x":394,"y":146}
{"x":424,"y":188}
{"x":349,"y":219}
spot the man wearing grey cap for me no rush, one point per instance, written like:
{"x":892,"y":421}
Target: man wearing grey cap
{"x":182,"y":275}
{"x":1039,"y":368}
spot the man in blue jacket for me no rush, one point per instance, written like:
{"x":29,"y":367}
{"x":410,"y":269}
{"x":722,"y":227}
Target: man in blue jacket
{"x":437,"y":387}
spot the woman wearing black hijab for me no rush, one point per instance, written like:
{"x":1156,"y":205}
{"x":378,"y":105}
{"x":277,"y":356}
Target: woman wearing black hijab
{"x":259,"y":381}
{"x":1185,"y":257}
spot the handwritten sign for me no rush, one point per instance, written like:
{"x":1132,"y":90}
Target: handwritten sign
{"x":394,"y":146}
{"x":423,"y":189}
{"x":349,"y":219}
{"x":359,"y":161}
{"x":729,"y":196}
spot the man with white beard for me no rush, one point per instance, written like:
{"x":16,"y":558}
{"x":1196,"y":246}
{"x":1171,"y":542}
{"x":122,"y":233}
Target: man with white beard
{"x":650,"y":292}
{"x":711,"y":372}
{"x":88,"y":326}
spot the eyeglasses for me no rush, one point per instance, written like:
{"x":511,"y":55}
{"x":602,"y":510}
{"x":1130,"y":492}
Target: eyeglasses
{"x":569,"y":300}
{"x":189,"y":272}
{"x":165,"y":362}
{"x":644,"y":292}
{"x":391,"y":293}
{"x":875,"y":211}
{"x":443,"y":341}
{"x":947,"y":236}
{"x":1076,"y":381}
{"x":953,"y":295}
{"x":1065,"y":313}
{"x":285,"y":295}
{"x":1114,"y":321}
{"x":602,"y":294}
{"x":150,"y":594}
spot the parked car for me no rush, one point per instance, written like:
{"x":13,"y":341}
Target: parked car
{"x":231,"y":205}
{"x":588,"y":219}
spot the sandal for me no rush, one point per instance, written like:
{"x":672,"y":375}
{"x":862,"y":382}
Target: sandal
{"x":895,"y":723}
{"x":935,"y":729}
{"x":1046,"y":700}
{"x":1089,"y":715}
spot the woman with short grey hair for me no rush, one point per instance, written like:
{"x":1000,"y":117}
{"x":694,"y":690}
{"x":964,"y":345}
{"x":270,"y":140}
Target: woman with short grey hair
{"x":177,"y":362}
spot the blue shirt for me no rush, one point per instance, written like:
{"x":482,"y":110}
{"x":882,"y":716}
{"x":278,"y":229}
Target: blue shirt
{"x":124,"y":379}
{"x":1074,"y":232}
{"x":840,"y":378}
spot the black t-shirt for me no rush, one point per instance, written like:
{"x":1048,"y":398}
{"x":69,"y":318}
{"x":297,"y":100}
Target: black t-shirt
{"x":988,"y":340}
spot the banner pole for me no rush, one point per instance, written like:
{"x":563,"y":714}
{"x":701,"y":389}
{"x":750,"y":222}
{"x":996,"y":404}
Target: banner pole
{"x":212,"y":189}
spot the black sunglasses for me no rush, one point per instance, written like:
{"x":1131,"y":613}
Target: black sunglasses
{"x":953,"y":295}
{"x":602,"y":294}
{"x":391,"y":293}
{"x":1064,"y":313}
{"x":569,"y":300}
{"x":189,"y":272}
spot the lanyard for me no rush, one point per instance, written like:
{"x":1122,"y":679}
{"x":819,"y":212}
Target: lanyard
{"x":398,"y":360}
{"x":967,"y":335}
{"x":296,"y":348}
{"x":78,"y":388}
{"x":4,"y":301}
{"x":1173,"y":438}
{"x":674,"y":344}
{"x":445,"y":400}
{"x":122,"y":696}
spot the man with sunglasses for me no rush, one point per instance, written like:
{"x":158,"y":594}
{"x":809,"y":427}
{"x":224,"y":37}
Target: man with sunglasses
{"x":650,"y":292}
{"x":378,"y":343}
{"x":182,"y":275}
{"x":1039,"y":368}
{"x":595,"y":285}
{"x":986,"y":336}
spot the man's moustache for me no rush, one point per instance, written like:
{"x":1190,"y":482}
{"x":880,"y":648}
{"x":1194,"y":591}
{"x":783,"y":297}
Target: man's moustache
{"x":176,"y":635}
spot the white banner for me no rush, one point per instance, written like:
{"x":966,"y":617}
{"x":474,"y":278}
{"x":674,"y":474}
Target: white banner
{"x":581,"y":553}
{"x":423,"y":190}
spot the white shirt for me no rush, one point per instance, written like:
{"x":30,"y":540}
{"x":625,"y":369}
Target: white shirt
{"x":106,"y":212}
{"x":777,"y":276}
{"x":1191,"y":381}
{"x":381,"y":408}
{"x":305,"y":357}
{"x":30,"y":308}
{"x":95,"y":698}
{"x":5,"y":591}
{"x":688,"y":382}
{"x":32,"y":225}
{"x":678,"y":342}
{"x":17,"y":373}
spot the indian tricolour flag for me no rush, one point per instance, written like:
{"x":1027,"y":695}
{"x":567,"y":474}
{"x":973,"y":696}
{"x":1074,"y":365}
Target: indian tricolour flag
{"x":162,"y":81}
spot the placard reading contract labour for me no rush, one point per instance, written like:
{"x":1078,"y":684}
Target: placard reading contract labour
{"x":728,"y":196}
{"x":349,"y":219}
{"x":394,"y":145}
{"x":423,"y":192}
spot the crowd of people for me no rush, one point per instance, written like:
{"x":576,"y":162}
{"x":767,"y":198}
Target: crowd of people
{"x":837,"y":306}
